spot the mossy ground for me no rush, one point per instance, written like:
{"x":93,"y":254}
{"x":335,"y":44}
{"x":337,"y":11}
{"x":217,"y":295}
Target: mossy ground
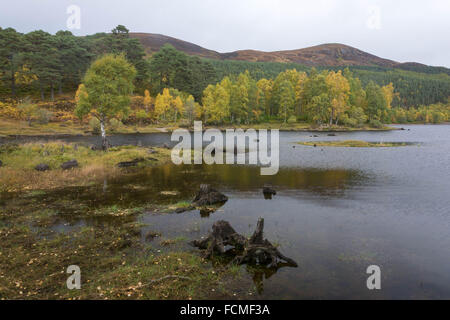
{"x":114,"y":264}
{"x":39,"y":241}
{"x":352,"y":144}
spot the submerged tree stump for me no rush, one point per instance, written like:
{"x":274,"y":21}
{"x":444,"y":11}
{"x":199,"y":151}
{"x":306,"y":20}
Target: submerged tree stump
{"x":208,"y":196}
{"x":255,"y":250}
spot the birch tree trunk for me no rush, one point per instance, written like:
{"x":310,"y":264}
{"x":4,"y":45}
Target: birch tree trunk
{"x":103,"y":131}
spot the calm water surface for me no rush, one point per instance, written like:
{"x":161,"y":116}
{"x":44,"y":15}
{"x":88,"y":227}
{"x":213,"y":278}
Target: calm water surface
{"x":337,"y":211}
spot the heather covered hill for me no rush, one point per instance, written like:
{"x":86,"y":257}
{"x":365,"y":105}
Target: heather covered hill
{"x":333,"y":54}
{"x":152,"y":42}
{"x":330,"y":54}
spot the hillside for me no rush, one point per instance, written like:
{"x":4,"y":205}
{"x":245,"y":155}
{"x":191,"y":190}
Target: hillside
{"x":153,"y":42}
{"x":331,"y":54}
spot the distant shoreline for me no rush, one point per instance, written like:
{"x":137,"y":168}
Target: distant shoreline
{"x":37,"y":131}
{"x":11,"y":129}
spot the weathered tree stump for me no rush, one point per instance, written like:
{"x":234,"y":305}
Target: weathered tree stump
{"x":207,"y":200}
{"x":268,"y":191}
{"x":42,"y":167}
{"x":256,"y":250}
{"x":69,"y":164}
{"x":208,"y":196}
{"x":132,"y":163}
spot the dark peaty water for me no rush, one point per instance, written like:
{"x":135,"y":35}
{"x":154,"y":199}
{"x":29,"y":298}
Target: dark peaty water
{"x":337,"y":211}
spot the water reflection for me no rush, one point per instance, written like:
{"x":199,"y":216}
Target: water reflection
{"x":142,"y":187}
{"x":260,"y":274}
{"x":257,"y":273}
{"x":205,"y":212}
{"x":77,"y":207}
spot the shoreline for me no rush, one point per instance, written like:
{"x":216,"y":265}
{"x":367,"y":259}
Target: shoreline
{"x":37,"y":131}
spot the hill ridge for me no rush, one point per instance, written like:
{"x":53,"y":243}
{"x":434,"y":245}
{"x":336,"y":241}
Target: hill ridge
{"x":326,"y":54}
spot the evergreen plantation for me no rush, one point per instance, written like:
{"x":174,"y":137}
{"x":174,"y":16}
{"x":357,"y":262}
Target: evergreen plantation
{"x":171,"y":86}
{"x":430,"y":85}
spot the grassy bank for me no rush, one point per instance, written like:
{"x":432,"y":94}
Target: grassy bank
{"x":14,"y":127}
{"x":17,"y":171}
{"x":352,"y":144}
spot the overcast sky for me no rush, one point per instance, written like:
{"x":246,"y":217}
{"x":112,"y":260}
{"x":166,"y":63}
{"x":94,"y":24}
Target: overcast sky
{"x":401,"y":30}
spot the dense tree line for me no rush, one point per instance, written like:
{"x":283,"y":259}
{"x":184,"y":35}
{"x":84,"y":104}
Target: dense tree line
{"x":39,"y":61}
{"x":170,"y":68}
{"x":320,"y":97}
{"x":413,"y":88}
{"x":325,"y":97}
{"x":41,"y":64}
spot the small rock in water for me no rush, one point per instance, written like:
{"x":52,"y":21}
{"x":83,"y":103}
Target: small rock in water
{"x":183,"y":209}
{"x":42,"y":167}
{"x":331,"y":135}
{"x":268,"y":189}
{"x":180,"y":210}
{"x":151,"y":235}
{"x":69,"y":164}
